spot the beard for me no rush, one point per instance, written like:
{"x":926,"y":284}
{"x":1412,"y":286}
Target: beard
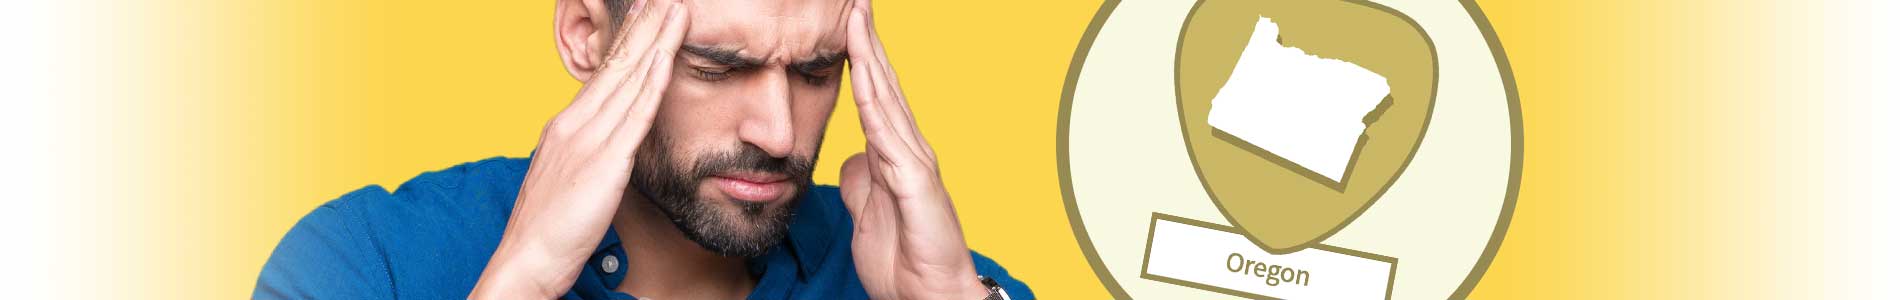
{"x":672,"y":180}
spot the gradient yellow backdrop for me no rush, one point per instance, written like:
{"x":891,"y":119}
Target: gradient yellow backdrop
{"x":1667,"y":150}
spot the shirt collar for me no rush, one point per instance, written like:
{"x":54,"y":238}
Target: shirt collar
{"x":813,"y":230}
{"x":611,"y":259}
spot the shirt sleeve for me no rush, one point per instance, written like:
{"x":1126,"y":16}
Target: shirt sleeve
{"x":988,"y":268}
{"x":329,"y":254}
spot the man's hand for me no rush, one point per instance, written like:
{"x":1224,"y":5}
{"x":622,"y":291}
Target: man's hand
{"x":907,"y":244}
{"x":581,"y":167}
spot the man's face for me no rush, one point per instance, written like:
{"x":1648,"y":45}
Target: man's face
{"x":732,"y":148}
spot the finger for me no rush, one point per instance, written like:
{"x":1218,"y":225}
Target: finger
{"x":640,"y":30}
{"x":893,"y":185}
{"x":877,"y":44}
{"x":867,"y":198}
{"x":878,"y":133}
{"x":878,"y":197}
{"x":637,"y":44}
{"x":639,"y":84}
{"x":903,"y":103}
{"x":613,"y":112}
{"x":888,"y":95}
{"x":638,"y":118}
{"x":612,"y":74}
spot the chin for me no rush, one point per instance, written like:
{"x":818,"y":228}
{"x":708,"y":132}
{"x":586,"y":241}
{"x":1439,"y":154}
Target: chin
{"x":735,"y":227}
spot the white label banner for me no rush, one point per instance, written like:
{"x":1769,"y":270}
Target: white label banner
{"x":1200,"y":256}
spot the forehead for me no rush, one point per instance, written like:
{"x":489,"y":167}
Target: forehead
{"x":775,"y":30}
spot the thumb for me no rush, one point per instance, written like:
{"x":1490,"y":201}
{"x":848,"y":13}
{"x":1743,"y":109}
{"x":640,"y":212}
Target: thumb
{"x":854,"y":182}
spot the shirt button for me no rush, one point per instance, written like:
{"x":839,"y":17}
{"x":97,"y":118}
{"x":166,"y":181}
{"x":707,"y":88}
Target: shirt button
{"x":609,"y":264}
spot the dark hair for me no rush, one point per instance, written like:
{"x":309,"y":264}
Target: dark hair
{"x":616,"y":15}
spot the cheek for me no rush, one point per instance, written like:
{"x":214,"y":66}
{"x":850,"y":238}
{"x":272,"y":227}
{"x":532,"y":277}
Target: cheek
{"x":812,"y":110}
{"x":694,"y":115}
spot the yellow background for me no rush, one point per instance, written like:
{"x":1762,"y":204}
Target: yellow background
{"x":1663,"y":159}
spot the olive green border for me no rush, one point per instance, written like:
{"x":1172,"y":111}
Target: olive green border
{"x":1431,"y":105}
{"x":1062,"y":151}
{"x":1391,"y":274}
{"x":1517,"y":148}
{"x":1477,"y":270}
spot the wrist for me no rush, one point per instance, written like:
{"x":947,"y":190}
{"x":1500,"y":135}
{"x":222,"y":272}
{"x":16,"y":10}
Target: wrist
{"x":518,"y":271}
{"x":962,"y":289}
{"x":505,"y":283}
{"x":973,"y":289}
{"x":964,"y":285}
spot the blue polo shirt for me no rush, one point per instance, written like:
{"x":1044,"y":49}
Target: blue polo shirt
{"x":432,"y":237}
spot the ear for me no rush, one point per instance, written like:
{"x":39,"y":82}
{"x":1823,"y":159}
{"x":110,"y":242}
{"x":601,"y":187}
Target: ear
{"x":579,"y":36}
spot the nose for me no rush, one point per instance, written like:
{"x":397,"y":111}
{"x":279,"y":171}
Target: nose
{"x":768,"y":115}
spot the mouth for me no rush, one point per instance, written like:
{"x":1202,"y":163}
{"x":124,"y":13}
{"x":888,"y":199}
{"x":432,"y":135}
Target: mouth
{"x":753,"y":186}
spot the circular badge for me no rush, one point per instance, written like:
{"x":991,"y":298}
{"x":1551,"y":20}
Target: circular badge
{"x":1292,"y":149}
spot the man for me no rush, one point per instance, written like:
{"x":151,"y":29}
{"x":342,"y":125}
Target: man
{"x":681,"y":170}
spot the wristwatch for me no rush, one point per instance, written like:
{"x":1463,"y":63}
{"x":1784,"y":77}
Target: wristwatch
{"x":996,"y":291}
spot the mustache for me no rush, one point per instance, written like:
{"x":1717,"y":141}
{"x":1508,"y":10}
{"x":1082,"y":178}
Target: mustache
{"x":750,"y":158}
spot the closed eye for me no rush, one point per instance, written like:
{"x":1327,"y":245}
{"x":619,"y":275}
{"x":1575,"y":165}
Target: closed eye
{"x":815,"y":79}
{"x":715,"y":64}
{"x":818,"y":71}
{"x":709,"y":73}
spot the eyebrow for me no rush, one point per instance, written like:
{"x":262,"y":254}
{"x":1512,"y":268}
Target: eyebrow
{"x":723,"y":56}
{"x":822,"y":62}
{"x":731,"y":58}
